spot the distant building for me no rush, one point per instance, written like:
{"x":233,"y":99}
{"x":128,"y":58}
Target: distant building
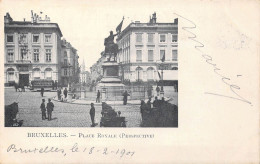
{"x":70,"y":70}
{"x":96,"y":69}
{"x":85,"y":77}
{"x":141,"y":48}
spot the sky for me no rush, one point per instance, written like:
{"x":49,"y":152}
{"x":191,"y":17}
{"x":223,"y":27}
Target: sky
{"x":85,"y":24}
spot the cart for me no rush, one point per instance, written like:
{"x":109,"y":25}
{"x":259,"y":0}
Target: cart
{"x":112,"y":122}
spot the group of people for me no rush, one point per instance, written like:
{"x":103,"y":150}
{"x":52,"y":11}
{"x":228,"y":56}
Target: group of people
{"x":49,"y":108}
{"x":147,"y":107}
{"x":62,"y":94}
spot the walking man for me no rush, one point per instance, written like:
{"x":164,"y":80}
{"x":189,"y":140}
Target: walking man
{"x":65,"y":92}
{"x":98,"y":97}
{"x":156,"y":102}
{"x":42,"y":91}
{"x":92,"y":114}
{"x":43,"y":109}
{"x":50,"y":107}
{"x":149,"y":104}
{"x":158,"y":90}
{"x":125,"y":94}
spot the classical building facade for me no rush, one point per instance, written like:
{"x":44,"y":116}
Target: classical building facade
{"x":70,"y":70}
{"x":32,"y":50}
{"x":143,"y":47}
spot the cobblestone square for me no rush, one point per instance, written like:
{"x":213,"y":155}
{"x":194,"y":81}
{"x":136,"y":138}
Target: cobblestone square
{"x":64,"y":114}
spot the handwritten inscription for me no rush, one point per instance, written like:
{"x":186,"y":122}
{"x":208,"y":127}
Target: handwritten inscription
{"x":74,"y":149}
{"x":209,"y":60}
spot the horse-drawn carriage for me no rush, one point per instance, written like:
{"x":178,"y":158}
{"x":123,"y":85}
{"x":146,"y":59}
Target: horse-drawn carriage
{"x":10,"y":115}
{"x":111,"y":118}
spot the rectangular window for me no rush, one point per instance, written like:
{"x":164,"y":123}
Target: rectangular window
{"x":36,"y":38}
{"x":22,"y":38}
{"x":139,"y":55}
{"x":174,"y":55}
{"x":162,"y":38}
{"x":10,"y":38}
{"x":150,"y":38}
{"x":65,"y":72}
{"x":65,"y":62}
{"x":48,"y":55}
{"x":10,"y":55}
{"x":36,"y":55}
{"x":139,"y":38}
{"x":174,"y":37}
{"x":162,"y":54}
{"x":150,"y":55}
{"x":47,"y":38}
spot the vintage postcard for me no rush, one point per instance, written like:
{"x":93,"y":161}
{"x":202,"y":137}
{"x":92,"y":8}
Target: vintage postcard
{"x":113,"y":81}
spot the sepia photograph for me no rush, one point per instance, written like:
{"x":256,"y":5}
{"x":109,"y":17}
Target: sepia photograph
{"x":131,"y":81}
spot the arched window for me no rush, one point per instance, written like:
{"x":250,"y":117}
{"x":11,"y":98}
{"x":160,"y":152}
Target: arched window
{"x":174,"y":68}
{"x":150,"y":72}
{"x":10,"y":74}
{"x":36,"y":73}
{"x":139,"y":73}
{"x":48,"y":73}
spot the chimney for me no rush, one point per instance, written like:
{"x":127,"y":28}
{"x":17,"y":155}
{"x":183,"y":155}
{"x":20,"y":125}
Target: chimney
{"x":8,"y":18}
{"x":175,"y":21}
{"x":24,"y":19}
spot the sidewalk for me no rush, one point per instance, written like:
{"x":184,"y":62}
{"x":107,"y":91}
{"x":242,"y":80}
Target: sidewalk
{"x":88,"y":102}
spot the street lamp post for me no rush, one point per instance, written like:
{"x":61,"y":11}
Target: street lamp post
{"x":162,"y":90}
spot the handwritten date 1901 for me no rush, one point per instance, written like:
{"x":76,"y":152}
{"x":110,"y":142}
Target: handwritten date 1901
{"x":75,"y":149}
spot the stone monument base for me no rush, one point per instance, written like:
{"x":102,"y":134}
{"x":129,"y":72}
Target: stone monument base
{"x":111,"y":91}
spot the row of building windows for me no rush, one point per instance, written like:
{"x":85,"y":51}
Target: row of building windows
{"x":150,"y":38}
{"x":139,"y":55}
{"x":24,"y":55}
{"x":23,"y":38}
{"x":36,"y":74}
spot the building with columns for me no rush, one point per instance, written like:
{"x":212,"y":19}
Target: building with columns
{"x":32,"y":50}
{"x":141,"y":48}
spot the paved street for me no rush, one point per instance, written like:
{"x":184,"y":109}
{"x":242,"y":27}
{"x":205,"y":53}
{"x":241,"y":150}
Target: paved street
{"x":64,"y":114}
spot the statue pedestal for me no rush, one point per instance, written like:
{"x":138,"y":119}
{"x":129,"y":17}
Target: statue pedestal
{"x":110,"y":85}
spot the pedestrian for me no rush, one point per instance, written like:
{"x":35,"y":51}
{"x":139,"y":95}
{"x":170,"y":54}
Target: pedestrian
{"x":156,"y":102}
{"x":92,"y":114}
{"x":149,"y":104}
{"x":158,"y":90}
{"x":42,"y":91}
{"x":56,"y":84}
{"x":98,"y":97}
{"x":65,"y":92}
{"x":125,"y":94}
{"x":142,"y":109}
{"x":43,"y":109}
{"x":50,"y":107}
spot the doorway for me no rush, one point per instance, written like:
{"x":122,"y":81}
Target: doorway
{"x":23,"y":79}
